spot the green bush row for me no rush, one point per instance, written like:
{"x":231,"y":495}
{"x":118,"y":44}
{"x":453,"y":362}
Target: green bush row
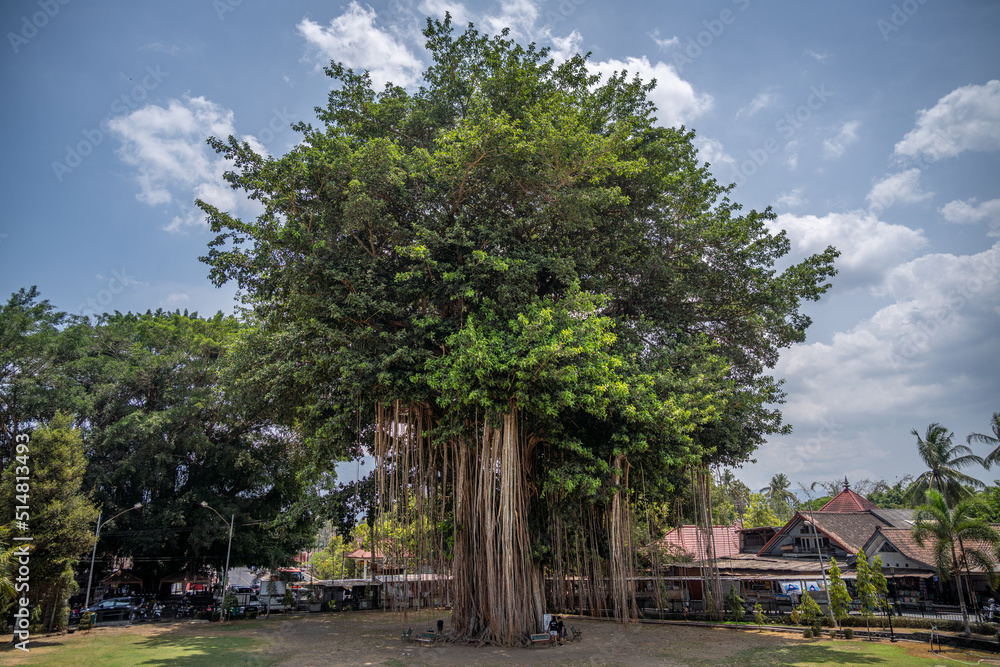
{"x":877,"y":622}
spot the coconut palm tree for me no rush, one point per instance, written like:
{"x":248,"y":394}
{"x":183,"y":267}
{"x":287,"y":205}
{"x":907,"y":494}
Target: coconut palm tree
{"x":777,"y":493}
{"x":948,"y":531}
{"x":944,"y":461}
{"x":991,"y":440}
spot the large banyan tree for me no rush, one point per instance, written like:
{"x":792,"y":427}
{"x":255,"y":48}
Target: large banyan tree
{"x":528,"y":301}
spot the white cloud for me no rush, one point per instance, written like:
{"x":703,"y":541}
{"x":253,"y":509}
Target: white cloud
{"x":868,"y":246}
{"x":518,"y":15}
{"x":762,"y":101}
{"x":172,"y":163}
{"x":903,"y":187}
{"x":821,"y":57}
{"x":175,"y":300}
{"x":675,"y":99}
{"x":564,"y":48}
{"x":664,"y":43}
{"x":460,"y":16}
{"x":791,"y":199}
{"x":711,"y":151}
{"x":353,"y":39}
{"x":835,"y":146}
{"x":963,"y":212}
{"x":967,"y":118}
{"x":900,"y":362}
{"x":167,"y":148}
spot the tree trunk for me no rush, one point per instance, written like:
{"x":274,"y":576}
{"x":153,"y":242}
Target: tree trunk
{"x":961,"y":594}
{"x":499,"y":592}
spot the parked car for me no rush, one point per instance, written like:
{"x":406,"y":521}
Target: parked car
{"x":114,"y":609}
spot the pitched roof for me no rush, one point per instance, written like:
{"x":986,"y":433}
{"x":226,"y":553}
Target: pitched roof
{"x":849,"y":530}
{"x":724,"y":541}
{"x":848,"y":501}
{"x":902,"y":540}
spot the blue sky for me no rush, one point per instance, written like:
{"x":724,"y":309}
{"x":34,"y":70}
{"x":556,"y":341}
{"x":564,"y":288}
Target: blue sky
{"x":873,"y":126}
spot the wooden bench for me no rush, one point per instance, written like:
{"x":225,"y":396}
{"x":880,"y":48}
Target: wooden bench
{"x":428,"y":637}
{"x":575,"y":634}
{"x":542,"y":639}
{"x":408,"y":635}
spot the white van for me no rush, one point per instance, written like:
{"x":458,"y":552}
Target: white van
{"x":271,"y":597}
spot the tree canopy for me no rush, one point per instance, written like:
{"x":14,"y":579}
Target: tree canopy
{"x":515,"y":254}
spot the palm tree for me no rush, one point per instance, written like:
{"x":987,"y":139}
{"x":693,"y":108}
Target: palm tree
{"x":948,"y":528}
{"x":991,"y":440}
{"x":777,"y":492}
{"x":944,"y":462}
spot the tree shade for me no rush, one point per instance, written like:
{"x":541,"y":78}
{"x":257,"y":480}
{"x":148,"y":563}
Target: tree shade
{"x":522,"y":296}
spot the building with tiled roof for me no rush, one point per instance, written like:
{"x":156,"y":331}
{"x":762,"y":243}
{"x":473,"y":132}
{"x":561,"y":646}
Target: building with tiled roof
{"x":693,"y":543}
{"x":848,"y":501}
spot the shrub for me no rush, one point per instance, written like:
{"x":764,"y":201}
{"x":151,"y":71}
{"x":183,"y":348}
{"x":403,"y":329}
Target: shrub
{"x":807,"y":633}
{"x":795,"y":617}
{"x":735,"y":604}
{"x":758,"y":615}
{"x":848,"y":633}
{"x":833,"y":633}
{"x":809,"y":609}
{"x":817,"y":630}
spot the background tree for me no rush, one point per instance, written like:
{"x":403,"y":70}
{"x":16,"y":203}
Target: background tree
{"x":161,"y":431}
{"x":760,"y":513}
{"x":518,"y":265}
{"x":944,"y":461}
{"x":8,"y":563}
{"x":865,"y":588}
{"x":331,"y":562}
{"x":840,"y":598}
{"x":62,"y":516}
{"x":778,"y":495}
{"x":945,"y":528}
{"x":881,"y":584}
{"x":809,"y":608}
{"x":891,"y":496}
{"x":989,"y":440}
{"x":31,"y":351}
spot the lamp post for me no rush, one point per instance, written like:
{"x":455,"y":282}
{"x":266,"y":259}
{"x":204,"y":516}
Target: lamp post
{"x":819,"y":550}
{"x":225,"y":576}
{"x":93,"y":553}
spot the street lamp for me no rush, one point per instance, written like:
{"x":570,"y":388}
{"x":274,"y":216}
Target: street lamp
{"x":225,"y":576}
{"x":93,"y":554}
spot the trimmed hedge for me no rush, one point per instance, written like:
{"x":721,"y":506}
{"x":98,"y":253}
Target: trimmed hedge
{"x":877,"y":622}
{"x":921,"y":624}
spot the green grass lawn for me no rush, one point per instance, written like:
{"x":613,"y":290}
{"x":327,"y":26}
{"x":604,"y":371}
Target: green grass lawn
{"x":208,"y":650}
{"x":822,"y":653}
{"x":252,"y":644}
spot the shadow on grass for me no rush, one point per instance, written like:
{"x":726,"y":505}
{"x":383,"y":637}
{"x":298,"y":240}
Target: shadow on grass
{"x":188,"y":651}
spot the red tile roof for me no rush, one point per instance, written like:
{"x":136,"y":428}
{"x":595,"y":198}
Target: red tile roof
{"x":724,"y":541}
{"x":848,"y":501}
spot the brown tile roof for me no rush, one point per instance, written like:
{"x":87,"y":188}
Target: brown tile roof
{"x":902,"y":540}
{"x":848,"y":501}
{"x":691,"y":540}
{"x":849,"y":530}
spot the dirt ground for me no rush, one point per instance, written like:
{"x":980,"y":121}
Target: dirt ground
{"x":373,"y":638}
